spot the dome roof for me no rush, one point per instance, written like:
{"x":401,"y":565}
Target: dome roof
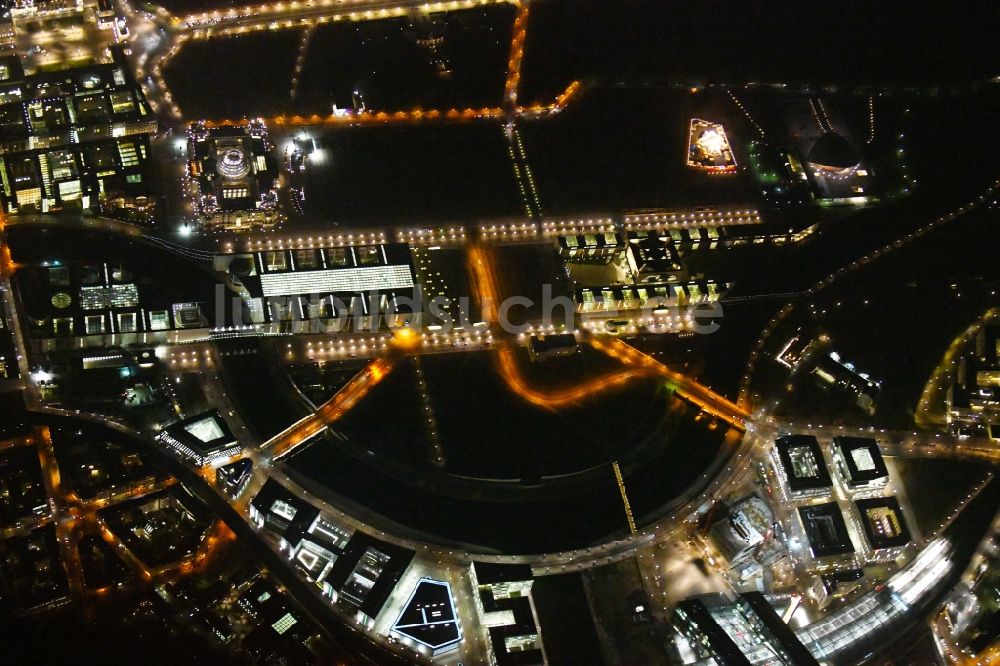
{"x":833,"y":150}
{"x":233,"y":163}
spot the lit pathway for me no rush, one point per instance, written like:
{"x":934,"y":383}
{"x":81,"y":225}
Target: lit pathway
{"x":637,"y":364}
{"x":343,"y":400}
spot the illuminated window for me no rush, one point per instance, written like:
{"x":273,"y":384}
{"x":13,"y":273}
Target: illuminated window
{"x":361,"y":279}
{"x":884,"y":521}
{"x":804,"y":464}
{"x":114,"y":296}
{"x":284,"y":509}
{"x":70,"y":190}
{"x":126,"y":322}
{"x":159,"y":320}
{"x":368,"y":256}
{"x":126,"y":150}
{"x":305,"y":259}
{"x":284,"y":624}
{"x":276,"y":261}
{"x":207,"y":429}
{"x":94,"y":324}
{"x":336,"y":256}
{"x":121,"y":101}
{"x":63,"y":164}
{"x":863,"y":460}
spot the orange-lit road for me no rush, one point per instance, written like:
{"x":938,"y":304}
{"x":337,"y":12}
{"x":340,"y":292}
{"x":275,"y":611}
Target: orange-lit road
{"x":953,"y":652}
{"x":66,"y":518}
{"x":516,"y":55}
{"x":50,"y":469}
{"x":931,"y":411}
{"x":373,"y":118}
{"x":236,"y":20}
{"x":700,"y":395}
{"x":120,"y":548}
{"x":343,"y":400}
{"x":411,"y":117}
{"x":571,"y":90}
{"x":15,"y":442}
{"x":130,"y":492}
{"x":7,"y":268}
{"x":554,"y":398}
{"x":74,"y":517}
{"x":637,"y":365}
{"x":24,"y":526}
{"x":483,"y":280}
{"x":331,"y":410}
{"x":7,"y":265}
{"x":210,"y":548}
{"x":308,"y":14}
{"x":218,"y":536}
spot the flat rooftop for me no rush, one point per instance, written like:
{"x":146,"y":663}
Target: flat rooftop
{"x":883,"y":522}
{"x":367,"y":571}
{"x":802,"y":460}
{"x":862,"y":458}
{"x":283,"y":511}
{"x":205,"y":433}
{"x":826,"y":530}
{"x":337,"y":280}
{"x":429,"y":616}
{"x":489,"y":573}
{"x":335,"y":270}
{"x":567,"y":625}
{"x":512,"y":629}
{"x":832,"y":581}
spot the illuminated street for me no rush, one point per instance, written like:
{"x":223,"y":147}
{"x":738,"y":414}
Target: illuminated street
{"x":498,"y":332}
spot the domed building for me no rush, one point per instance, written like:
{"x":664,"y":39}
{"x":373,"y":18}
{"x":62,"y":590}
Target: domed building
{"x":233,"y":163}
{"x":236,"y":176}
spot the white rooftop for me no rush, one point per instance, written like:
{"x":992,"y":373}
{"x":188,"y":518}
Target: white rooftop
{"x":357,"y":279}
